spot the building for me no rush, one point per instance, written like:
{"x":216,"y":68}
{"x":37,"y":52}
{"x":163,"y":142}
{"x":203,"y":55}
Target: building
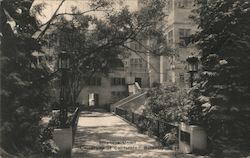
{"x":171,"y":69}
{"x":178,"y":27}
{"x":144,"y":68}
{"x":101,"y":89}
{"x":147,"y":69}
{"x":116,"y":85}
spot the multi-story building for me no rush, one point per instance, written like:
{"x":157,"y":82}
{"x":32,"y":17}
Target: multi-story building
{"x":171,"y":68}
{"x":116,"y":84}
{"x":145,"y":68}
{"x":104,"y":89}
{"x":142,"y":67}
{"x":178,"y":27}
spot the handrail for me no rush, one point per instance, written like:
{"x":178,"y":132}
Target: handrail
{"x":74,"y":119}
{"x":144,"y":123}
{"x":132,"y":99}
{"x":163,"y":121}
{"x":74,"y":122}
{"x":125,"y":99}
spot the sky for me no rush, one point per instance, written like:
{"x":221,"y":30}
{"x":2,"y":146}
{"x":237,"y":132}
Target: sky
{"x":82,"y":5}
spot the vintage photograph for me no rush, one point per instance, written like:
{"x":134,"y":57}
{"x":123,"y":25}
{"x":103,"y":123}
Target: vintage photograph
{"x":125,"y":79}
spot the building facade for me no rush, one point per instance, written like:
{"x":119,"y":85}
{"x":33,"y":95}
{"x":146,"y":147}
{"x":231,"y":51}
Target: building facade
{"x":179,"y":26}
{"x":145,"y":68}
{"x":104,"y":89}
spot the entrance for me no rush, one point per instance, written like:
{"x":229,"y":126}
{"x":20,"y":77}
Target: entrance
{"x":138,"y":80}
{"x":93,"y":99}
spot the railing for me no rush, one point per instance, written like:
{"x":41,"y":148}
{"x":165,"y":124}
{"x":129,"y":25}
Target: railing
{"x":132,"y":103}
{"x":156,"y":127}
{"x":182,"y":137}
{"x":74,"y":121}
{"x":125,"y":100}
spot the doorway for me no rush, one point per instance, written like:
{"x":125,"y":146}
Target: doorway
{"x":93,"y":99}
{"x":138,"y":80}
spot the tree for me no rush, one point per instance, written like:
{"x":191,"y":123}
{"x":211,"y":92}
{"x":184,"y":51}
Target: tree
{"x":24,"y":93}
{"x":168,"y":103}
{"x":96,"y":50}
{"x":224,"y":41}
{"x":24,"y":88}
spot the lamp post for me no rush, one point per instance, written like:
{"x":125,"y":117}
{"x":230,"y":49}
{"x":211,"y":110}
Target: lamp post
{"x":192,"y":68}
{"x":63,"y":66}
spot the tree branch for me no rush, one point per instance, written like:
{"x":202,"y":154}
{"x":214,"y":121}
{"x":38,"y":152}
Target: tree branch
{"x":55,"y":15}
{"x":50,"y":20}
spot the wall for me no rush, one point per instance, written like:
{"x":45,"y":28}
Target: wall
{"x":173,"y":68}
{"x":181,"y":14}
{"x":104,"y":91}
{"x":137,"y":72}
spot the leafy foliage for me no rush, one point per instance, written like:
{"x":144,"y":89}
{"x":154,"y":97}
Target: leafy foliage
{"x":24,"y":93}
{"x":171,"y":138}
{"x":168,"y":103}
{"x":224,"y":41}
{"x":48,"y":146}
{"x":98,"y":44}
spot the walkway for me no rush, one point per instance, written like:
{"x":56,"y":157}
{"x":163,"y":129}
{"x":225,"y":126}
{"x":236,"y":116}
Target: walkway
{"x":104,"y":135}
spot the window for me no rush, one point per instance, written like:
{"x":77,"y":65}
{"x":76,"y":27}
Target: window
{"x":182,"y":78}
{"x":118,"y":81}
{"x":170,"y":37}
{"x":136,"y":45}
{"x":183,"y":33}
{"x":140,"y":63}
{"x":95,"y":81}
{"x":170,"y":5}
{"x":125,"y":63}
{"x":64,"y":42}
{"x":69,"y":41}
{"x":118,"y":94}
{"x":50,"y":39}
{"x":184,"y":4}
{"x":136,"y":63}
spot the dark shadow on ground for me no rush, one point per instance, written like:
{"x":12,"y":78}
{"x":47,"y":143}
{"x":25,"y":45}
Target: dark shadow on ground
{"x":103,"y":135}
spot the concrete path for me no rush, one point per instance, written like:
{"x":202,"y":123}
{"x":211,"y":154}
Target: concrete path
{"x":104,"y":135}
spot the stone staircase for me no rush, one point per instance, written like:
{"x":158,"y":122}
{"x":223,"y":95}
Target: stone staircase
{"x":135,"y":103}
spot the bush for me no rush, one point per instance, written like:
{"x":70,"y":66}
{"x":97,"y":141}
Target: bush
{"x":142,"y":124}
{"x":171,"y":138}
{"x":168,"y":103}
{"x":48,"y":146}
{"x":55,"y":121}
{"x":223,"y":39}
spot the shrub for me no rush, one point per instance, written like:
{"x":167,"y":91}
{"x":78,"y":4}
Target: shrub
{"x":171,"y":138}
{"x":168,"y":103}
{"x":142,"y":124}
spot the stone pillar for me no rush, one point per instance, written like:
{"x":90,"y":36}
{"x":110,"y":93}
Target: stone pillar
{"x":192,"y":139}
{"x":63,"y":139}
